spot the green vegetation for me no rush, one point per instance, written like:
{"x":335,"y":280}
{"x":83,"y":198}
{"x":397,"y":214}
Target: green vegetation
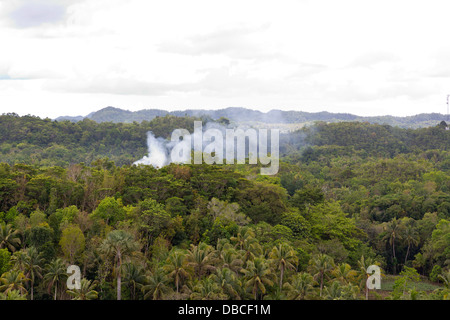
{"x":348,"y":195}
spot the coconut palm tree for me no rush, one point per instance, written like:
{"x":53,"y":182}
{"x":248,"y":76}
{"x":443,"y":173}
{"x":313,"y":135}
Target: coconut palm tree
{"x":9,"y":238}
{"x":245,"y":234}
{"x":134,"y":278}
{"x":207,"y":289}
{"x":13,"y":280}
{"x":176,"y":268}
{"x":119,"y":244}
{"x":157,"y":286}
{"x":55,"y":273}
{"x":300,"y":286}
{"x":228,"y":281}
{"x":201,"y":258}
{"x":320,"y":265}
{"x":258,"y":275}
{"x":230,"y":259}
{"x":363,"y":265}
{"x":393,"y":232}
{"x":285,"y":258}
{"x":86,"y":292}
{"x":411,"y":237}
{"x":12,"y":295}
{"x":33,"y":269}
{"x":344,"y":273}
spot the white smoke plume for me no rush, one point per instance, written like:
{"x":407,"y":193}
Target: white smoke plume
{"x":160,"y":150}
{"x":157,"y":152}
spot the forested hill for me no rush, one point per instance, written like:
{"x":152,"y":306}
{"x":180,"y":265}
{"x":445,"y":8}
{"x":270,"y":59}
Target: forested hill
{"x":32,"y":140}
{"x":238,"y":115}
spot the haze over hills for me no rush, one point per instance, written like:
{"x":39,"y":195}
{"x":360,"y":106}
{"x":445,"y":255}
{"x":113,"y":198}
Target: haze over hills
{"x":239,"y":115}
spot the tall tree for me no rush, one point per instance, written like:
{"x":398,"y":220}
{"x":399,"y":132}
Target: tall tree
{"x":176,"y":267}
{"x":320,"y":265}
{"x":119,"y":244}
{"x":55,"y":274}
{"x":285,"y":258}
{"x":258,"y":275}
{"x":33,"y":267}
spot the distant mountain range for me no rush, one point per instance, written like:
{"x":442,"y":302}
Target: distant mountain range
{"x":239,"y":115}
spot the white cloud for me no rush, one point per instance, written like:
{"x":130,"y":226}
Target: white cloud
{"x":341,"y":56}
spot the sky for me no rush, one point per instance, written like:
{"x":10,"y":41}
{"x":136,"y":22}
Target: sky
{"x":73,"y":57}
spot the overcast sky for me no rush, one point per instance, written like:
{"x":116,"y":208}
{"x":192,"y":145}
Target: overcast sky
{"x":72,"y":57}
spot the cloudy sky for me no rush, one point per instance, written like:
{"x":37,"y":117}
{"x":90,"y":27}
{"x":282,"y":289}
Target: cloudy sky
{"x":72,"y":57}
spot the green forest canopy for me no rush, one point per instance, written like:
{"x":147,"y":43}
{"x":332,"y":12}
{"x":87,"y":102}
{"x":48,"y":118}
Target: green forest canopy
{"x":347,"y":195}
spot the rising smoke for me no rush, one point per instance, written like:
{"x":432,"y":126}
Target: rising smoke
{"x":209,"y":139}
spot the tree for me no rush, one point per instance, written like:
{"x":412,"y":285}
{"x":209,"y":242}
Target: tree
{"x":33,"y":267}
{"x":284,"y":258}
{"x":86,"y":292}
{"x":110,"y":210}
{"x":134,"y":278}
{"x":363,"y":265}
{"x":227,"y":280}
{"x":72,"y":242}
{"x":344,"y":273}
{"x":258,"y":275}
{"x":55,"y":274}
{"x":5,"y":261}
{"x":118,"y":244}
{"x":156,"y":286}
{"x":207,"y":289}
{"x":201,"y":258}
{"x":393,"y":232}
{"x":175,"y":267}
{"x":411,"y":237}
{"x":320,"y":265}
{"x":9,"y":238}
{"x":300,"y":286}
{"x":13,"y":280}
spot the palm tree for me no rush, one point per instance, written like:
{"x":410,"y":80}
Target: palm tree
{"x":201,"y":259}
{"x":363,"y":265}
{"x":334,"y":291}
{"x":12,"y":295}
{"x":393,"y":232}
{"x":19,"y":259}
{"x":245,"y":234}
{"x":344,"y":273}
{"x":9,"y":238}
{"x":56,"y":273}
{"x":411,"y":237}
{"x":320,"y":265}
{"x":226,"y":279}
{"x":13,"y":280}
{"x":300,"y":286}
{"x":175,"y":266}
{"x":33,"y":269}
{"x":230,"y":259}
{"x":337,"y":291}
{"x":134,"y":278}
{"x":207,"y":289}
{"x":284,"y":257}
{"x":258,"y":275}
{"x":157,"y":286}
{"x":119,"y":244}
{"x":86,"y":292}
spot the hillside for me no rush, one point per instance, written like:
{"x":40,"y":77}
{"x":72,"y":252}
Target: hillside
{"x":239,"y":115}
